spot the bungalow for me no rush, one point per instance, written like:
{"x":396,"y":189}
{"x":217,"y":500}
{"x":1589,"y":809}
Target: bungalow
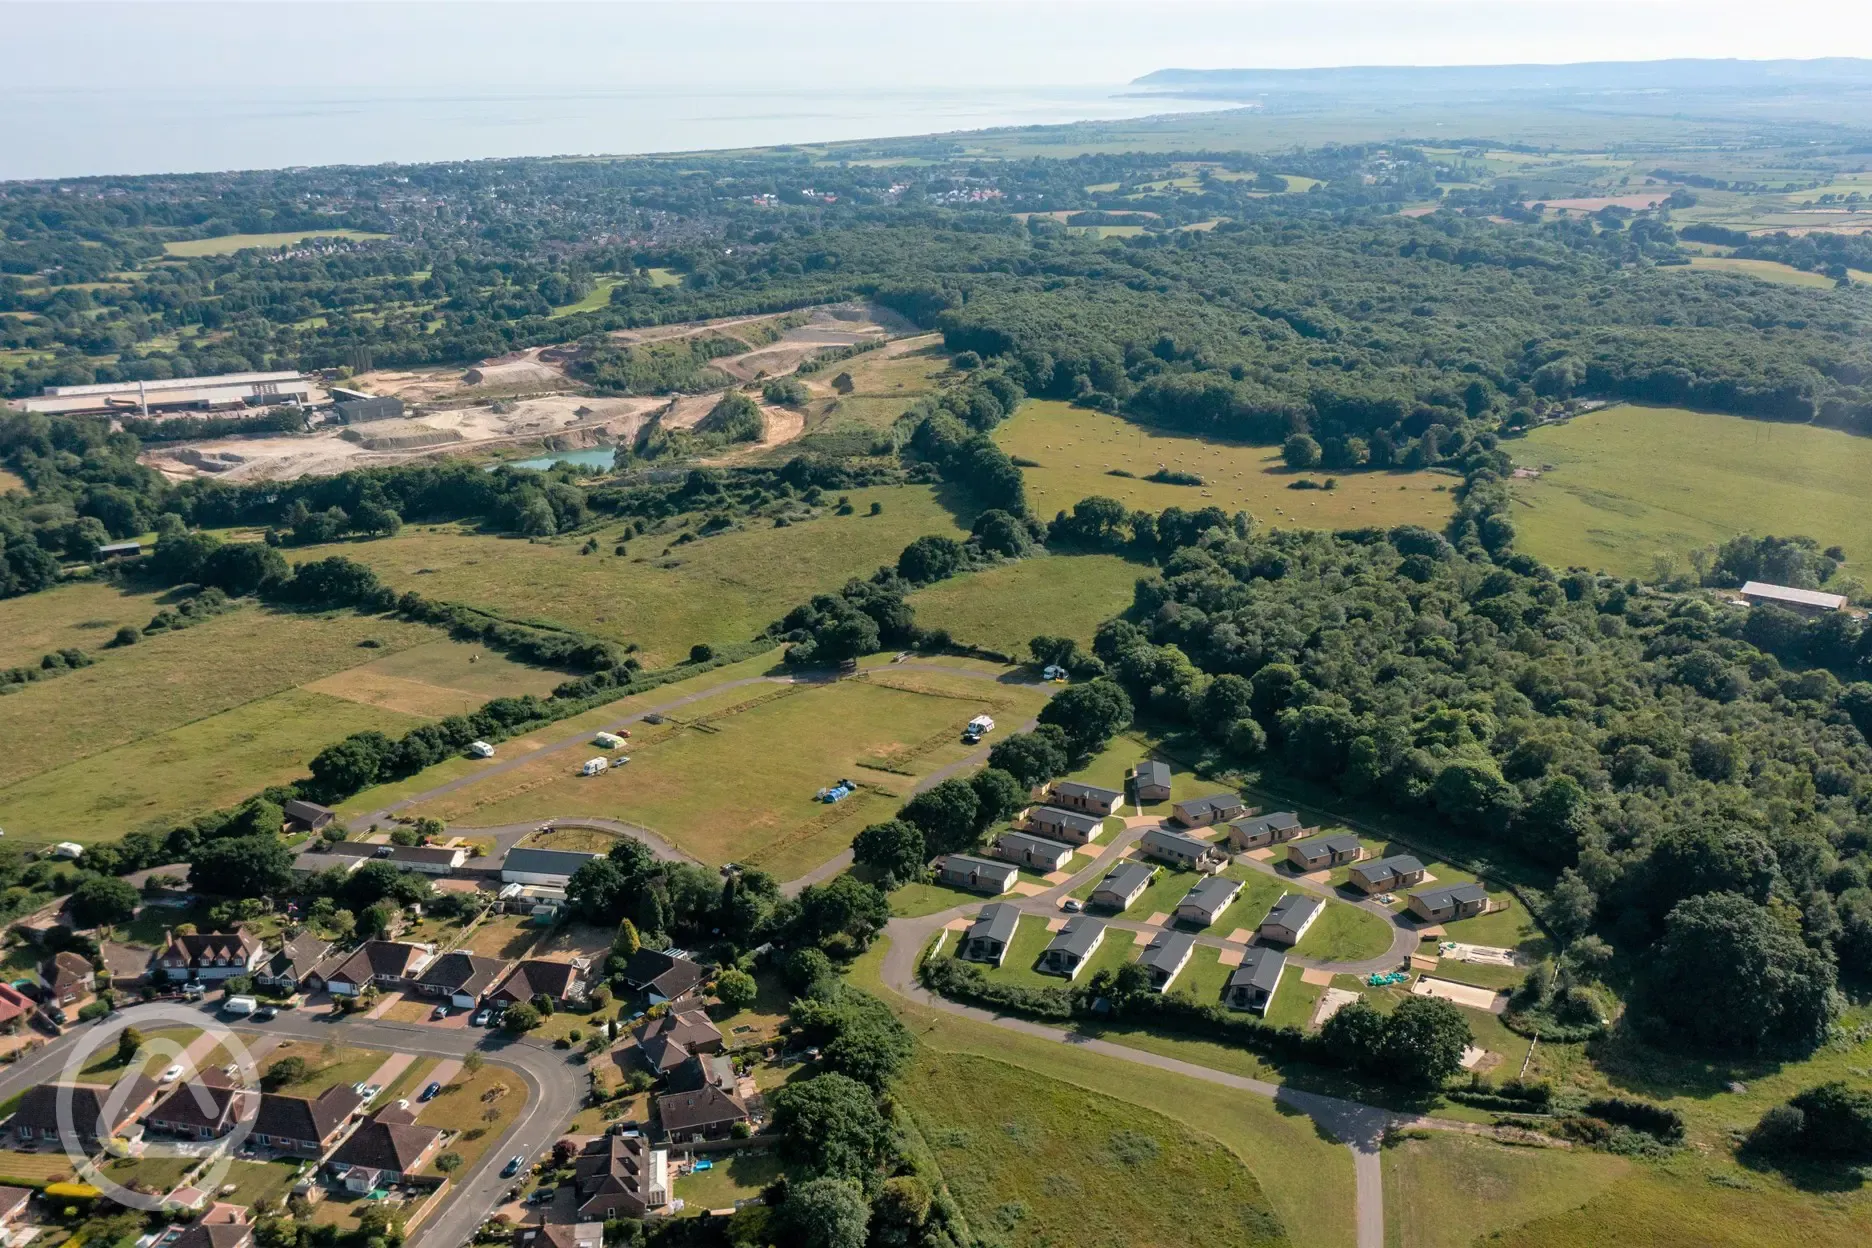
{"x":551,"y":867}
{"x":1258,"y":830}
{"x":1205,"y":903}
{"x":307,"y":816}
{"x":384,"y":963}
{"x":670,"y":1040}
{"x":1165,"y":957}
{"x":1397,"y":871}
{"x":315,"y":862}
{"x":1073,"y":946}
{"x":1123,"y":886}
{"x":97,"y":1113}
{"x":621,"y":1176}
{"x":1064,"y":825}
{"x":1033,"y":851}
{"x":302,"y":1126}
{"x":286,"y":970}
{"x":988,"y":938}
{"x":1317,"y":853}
{"x":1451,"y":901}
{"x":428,"y":859}
{"x":204,"y":1108}
{"x":662,"y":976}
{"x":1288,"y":919}
{"x":1181,"y":849}
{"x":1087,"y":798}
{"x":564,"y":982}
{"x":1253,"y":983}
{"x":1150,"y":782}
{"x":707,"y":1113}
{"x":1201,"y":812}
{"x":209,"y":955}
{"x":67,"y":976}
{"x":462,"y":978}
{"x":976,"y":874}
{"x":382,"y":1154}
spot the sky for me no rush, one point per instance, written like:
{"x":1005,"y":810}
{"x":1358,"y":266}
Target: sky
{"x":523,"y":44}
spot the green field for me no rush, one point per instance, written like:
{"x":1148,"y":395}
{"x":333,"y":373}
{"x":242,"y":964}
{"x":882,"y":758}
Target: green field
{"x":733,"y":778}
{"x":596,"y":301}
{"x":228,"y":244}
{"x":1038,"y":1161}
{"x":438,"y":678}
{"x":719,"y":589}
{"x":1766,"y":270}
{"x":1005,"y":607}
{"x":1605,"y":504}
{"x":1074,"y":447}
{"x":884,"y":382}
{"x":1448,"y":1190}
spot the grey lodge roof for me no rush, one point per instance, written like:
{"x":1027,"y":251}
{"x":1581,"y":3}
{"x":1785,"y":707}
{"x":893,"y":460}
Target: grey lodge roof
{"x":997,"y":923}
{"x":1211,"y":894}
{"x":1260,"y":968}
{"x":1292,"y":910}
{"x":1077,"y":937}
{"x":1167,"y":951}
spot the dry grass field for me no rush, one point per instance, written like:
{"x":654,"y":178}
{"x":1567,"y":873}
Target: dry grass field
{"x":437,"y":678}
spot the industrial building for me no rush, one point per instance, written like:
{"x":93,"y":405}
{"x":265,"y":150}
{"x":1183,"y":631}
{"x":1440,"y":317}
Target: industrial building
{"x":172,"y":394}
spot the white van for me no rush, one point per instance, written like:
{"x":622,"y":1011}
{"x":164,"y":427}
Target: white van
{"x":239,"y":1006}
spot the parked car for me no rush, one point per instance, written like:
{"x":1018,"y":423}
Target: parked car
{"x":171,"y":1075}
{"x":512,"y":1167}
{"x":481,"y":1018}
{"x":429,"y":1093}
{"x":1072,"y":905}
{"x":441,"y":1011}
{"x":370,"y":1092}
{"x":265,"y":1014}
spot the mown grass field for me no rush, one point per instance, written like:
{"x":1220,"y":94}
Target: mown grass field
{"x":733,"y":778}
{"x":1037,"y":1161}
{"x":228,"y":244}
{"x":719,"y":589}
{"x":437,"y":678}
{"x":1449,"y":1190}
{"x":1074,"y":447}
{"x":1003,"y":608}
{"x":1629,"y":484}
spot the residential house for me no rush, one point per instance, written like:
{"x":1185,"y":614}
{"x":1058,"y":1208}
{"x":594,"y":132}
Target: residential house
{"x":16,"y":1008}
{"x":204,"y":1108}
{"x":988,"y":937}
{"x":663,"y":976}
{"x":313,"y":862}
{"x":1058,"y":824}
{"x":67,"y":976}
{"x":560,"y":1235}
{"x":1073,"y":946}
{"x":1150,"y":782}
{"x":699,"y":1069}
{"x":1033,"y":851}
{"x":206,"y":1234}
{"x":1257,"y":830}
{"x":427,"y":859}
{"x":1317,"y":853}
{"x":13,"y":1202}
{"x":382,"y":1154}
{"x":307,"y":816}
{"x":1804,"y":601}
{"x":1202,"y":812}
{"x":621,"y":1176}
{"x":462,"y":978}
{"x":208,"y":956}
{"x":287,"y":969}
{"x":304,"y":1126}
{"x":98,"y":1113}
{"x":979,"y":875}
{"x":1165,"y":957}
{"x":564,"y":982}
{"x":1252,"y":984}
{"x":551,"y":867}
{"x":1181,"y":849}
{"x":706,"y":1113}
{"x":1088,"y":799}
{"x":1386,"y":874}
{"x":1448,"y":901}
{"x":1205,"y":903}
{"x":382,"y":963}
{"x":670,"y":1040}
{"x":1123,"y":886}
{"x":1288,"y":918}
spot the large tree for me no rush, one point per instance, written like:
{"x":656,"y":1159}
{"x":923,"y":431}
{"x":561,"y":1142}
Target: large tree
{"x":830,"y":1125}
{"x":893,"y":848}
{"x":101,"y":900}
{"x":1089,"y":714}
{"x":246,"y":866}
{"x":825,"y":1213}
{"x":946,"y":814}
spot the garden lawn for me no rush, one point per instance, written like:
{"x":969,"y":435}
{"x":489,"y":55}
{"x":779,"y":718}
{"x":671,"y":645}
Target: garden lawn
{"x":1075,"y":446}
{"x":461,"y":1107}
{"x":148,"y":1174}
{"x":1203,"y":977}
{"x":1294,"y":1000}
{"x":734,"y":1176}
{"x":1036,"y":1160}
{"x":1005,"y":607}
{"x":1449,"y":1190}
{"x":261,"y":1183}
{"x":33,"y":1169}
{"x":1030,"y":938}
{"x":1345,"y":933}
{"x":913,"y":901}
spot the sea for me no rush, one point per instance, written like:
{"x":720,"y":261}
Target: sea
{"x":112,"y":129}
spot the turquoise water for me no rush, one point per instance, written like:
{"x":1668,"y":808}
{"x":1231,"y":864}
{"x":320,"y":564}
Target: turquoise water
{"x":596,"y":457}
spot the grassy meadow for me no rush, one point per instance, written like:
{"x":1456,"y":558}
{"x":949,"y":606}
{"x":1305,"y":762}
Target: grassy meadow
{"x":1075,"y":447}
{"x":228,"y":244}
{"x":885,"y":382}
{"x":437,"y":678}
{"x":1603,"y":503}
{"x":718,"y":589}
{"x":1005,"y":607}
{"x":1447,"y":1190}
{"x":1766,"y":270}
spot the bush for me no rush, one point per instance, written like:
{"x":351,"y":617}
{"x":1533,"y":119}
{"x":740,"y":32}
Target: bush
{"x":126,"y":636}
{"x":1656,"y":1120}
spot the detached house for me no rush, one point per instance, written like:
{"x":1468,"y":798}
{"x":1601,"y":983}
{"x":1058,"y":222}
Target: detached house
{"x":707,"y":1113}
{"x":1165,"y":957}
{"x":1150,"y":782}
{"x":303,"y":1126}
{"x":979,"y":875}
{"x":206,"y":1234}
{"x":383,"y":963}
{"x":382,"y":1154}
{"x":1257,"y":830}
{"x":1069,"y":826}
{"x":1449,"y":901}
{"x":1201,"y":812}
{"x":209,"y":956}
{"x":621,"y":1176}
{"x":461,"y":978}
{"x":564,"y":982}
{"x":662,"y":976}
{"x":1123,"y":886}
{"x":67,"y":976}
{"x":1205,"y":903}
{"x":672,"y":1039}
{"x":1035,"y":852}
{"x":286,"y":970}
{"x":1288,"y":919}
{"x":1385,"y":874}
{"x":1073,"y":946}
{"x":1086,"y":798}
{"x":1253,"y":983}
{"x":1317,"y":853}
{"x":1181,"y":849}
{"x":988,"y":938}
